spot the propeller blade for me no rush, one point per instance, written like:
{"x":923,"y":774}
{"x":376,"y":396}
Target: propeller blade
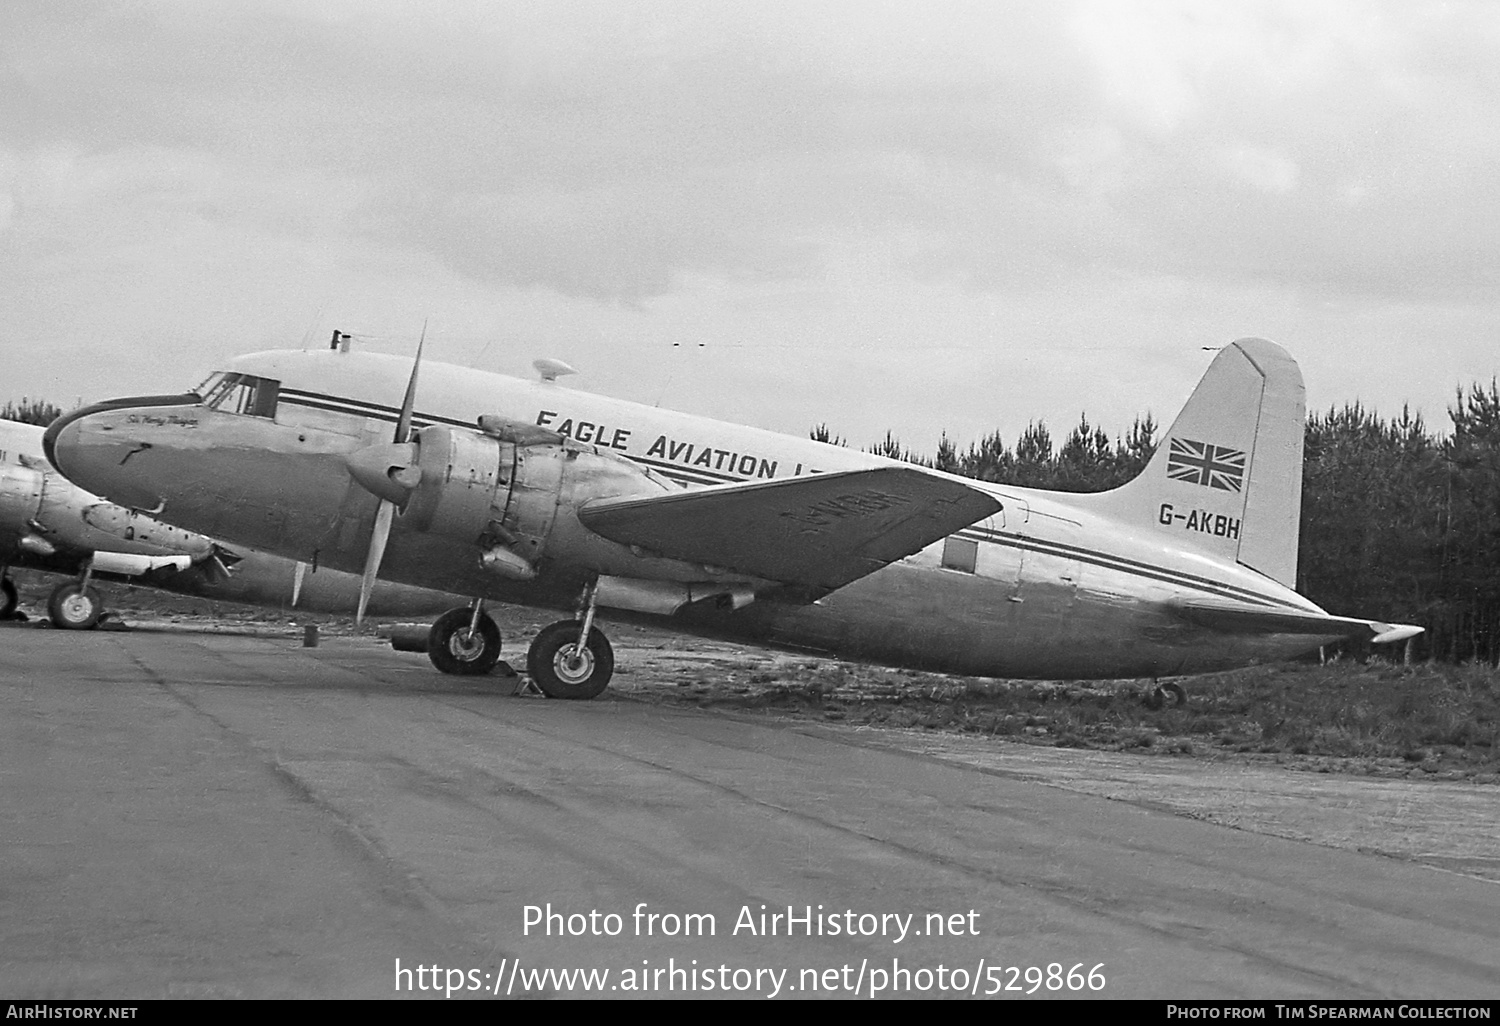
{"x":386,"y":512}
{"x":403,"y":422}
{"x":297,"y":574}
{"x":225,"y":557}
{"x":378,"y":538}
{"x":218,"y":563}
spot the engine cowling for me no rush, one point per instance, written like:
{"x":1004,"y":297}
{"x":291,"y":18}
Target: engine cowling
{"x":507,"y":497}
{"x":464,"y":483}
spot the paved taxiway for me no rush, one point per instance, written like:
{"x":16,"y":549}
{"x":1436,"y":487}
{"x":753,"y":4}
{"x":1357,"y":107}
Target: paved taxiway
{"x":197,"y":814}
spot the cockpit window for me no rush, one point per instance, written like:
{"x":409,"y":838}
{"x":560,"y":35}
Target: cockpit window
{"x":242,"y":393}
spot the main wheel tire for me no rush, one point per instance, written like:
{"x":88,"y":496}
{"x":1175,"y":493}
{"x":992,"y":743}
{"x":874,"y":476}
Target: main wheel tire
{"x":74,"y":607}
{"x":9,"y":598}
{"x":561,"y":671}
{"x":1162,"y":695}
{"x":453,"y":649}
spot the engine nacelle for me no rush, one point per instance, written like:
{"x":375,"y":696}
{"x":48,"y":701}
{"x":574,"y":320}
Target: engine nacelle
{"x":149,"y":534}
{"x":506,"y":497}
{"x":464,"y":483}
{"x":60,"y":516}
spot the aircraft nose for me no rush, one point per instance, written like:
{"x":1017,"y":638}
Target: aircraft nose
{"x":92,"y":446}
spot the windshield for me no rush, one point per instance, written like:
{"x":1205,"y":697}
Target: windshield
{"x":241,"y":393}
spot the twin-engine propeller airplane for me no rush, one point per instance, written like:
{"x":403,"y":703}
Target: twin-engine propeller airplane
{"x":529,"y":492}
{"x":47,"y":523}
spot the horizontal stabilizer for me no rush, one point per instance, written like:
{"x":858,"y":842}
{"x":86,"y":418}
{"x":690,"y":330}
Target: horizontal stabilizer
{"x":822,"y":531}
{"x":1242,"y":620}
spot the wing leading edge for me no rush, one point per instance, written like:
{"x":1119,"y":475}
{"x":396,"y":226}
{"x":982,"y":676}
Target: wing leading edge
{"x":820,"y":531}
{"x":1240,"y":620}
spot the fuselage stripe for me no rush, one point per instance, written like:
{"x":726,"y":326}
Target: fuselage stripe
{"x":333,"y":405}
{"x":1122,"y":563}
{"x":1137,"y":569}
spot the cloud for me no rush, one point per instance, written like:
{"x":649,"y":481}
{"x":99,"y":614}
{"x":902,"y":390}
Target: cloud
{"x":1028,"y":167}
{"x":602,"y":150}
{"x":1262,"y":169}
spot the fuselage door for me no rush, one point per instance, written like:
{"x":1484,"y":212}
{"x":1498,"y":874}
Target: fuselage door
{"x":1051,"y":567}
{"x":1011,"y":557}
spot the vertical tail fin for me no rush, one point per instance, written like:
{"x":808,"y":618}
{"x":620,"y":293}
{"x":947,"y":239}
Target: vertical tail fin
{"x":1227,"y":477}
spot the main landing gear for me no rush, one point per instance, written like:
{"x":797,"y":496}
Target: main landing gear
{"x":569,"y":659}
{"x":74,"y":605}
{"x":464,"y":641}
{"x":1161,"y":696}
{"x":568,"y":663}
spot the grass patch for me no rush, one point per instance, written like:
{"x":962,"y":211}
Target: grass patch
{"x":1429,"y":719}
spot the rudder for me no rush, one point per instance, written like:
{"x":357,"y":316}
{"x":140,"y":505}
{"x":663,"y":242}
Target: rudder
{"x":1227,"y":476}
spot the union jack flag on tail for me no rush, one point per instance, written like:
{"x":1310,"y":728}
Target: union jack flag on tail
{"x":1200,"y":463}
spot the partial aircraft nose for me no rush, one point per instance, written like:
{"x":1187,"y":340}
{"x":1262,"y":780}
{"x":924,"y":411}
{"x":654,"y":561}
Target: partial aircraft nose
{"x":93,"y":447}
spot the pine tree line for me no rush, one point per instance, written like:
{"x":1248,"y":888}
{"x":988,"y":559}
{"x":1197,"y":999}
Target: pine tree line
{"x":30,"y":411}
{"x":1087,"y":461}
{"x":1402,"y":524}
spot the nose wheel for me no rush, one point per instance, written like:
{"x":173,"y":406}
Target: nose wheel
{"x":465,"y":642}
{"x":564,"y":669}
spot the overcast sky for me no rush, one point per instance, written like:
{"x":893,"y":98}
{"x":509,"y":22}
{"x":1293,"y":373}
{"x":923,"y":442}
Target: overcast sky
{"x":916,"y":216}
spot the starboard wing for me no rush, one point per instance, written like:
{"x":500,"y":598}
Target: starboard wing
{"x":821,"y":531}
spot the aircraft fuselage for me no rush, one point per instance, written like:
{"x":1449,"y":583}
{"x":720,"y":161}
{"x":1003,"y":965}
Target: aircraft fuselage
{"x":1047,"y":587}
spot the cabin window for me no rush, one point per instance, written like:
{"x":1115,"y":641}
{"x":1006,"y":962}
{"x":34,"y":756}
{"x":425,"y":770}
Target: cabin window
{"x":960,"y":554}
{"x":243,"y":393}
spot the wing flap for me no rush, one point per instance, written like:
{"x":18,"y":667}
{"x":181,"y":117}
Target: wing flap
{"x":1245,"y":620}
{"x":821,"y":531}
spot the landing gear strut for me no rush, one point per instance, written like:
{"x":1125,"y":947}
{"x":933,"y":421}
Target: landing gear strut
{"x":9,"y":599}
{"x":74,"y":606}
{"x":570,"y":658}
{"x":464,"y":641}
